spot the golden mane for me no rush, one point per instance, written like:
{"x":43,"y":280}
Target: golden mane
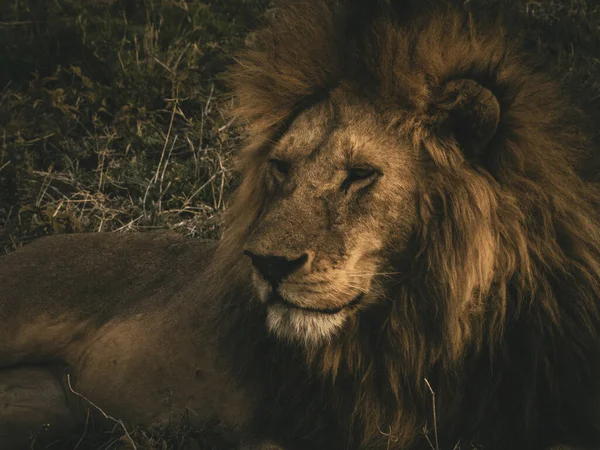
{"x":502,"y":279}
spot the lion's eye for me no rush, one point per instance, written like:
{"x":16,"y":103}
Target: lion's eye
{"x":359,"y":177}
{"x":280,"y":168}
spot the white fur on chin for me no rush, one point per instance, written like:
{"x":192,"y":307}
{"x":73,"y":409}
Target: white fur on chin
{"x":307,"y":327}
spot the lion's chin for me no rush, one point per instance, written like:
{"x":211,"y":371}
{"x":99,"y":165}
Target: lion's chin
{"x":308,"y":326}
{"x":303,"y":326}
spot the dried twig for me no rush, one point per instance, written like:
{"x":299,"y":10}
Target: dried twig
{"x":106,"y":416}
{"x":87,"y":420}
{"x":390,"y":436}
{"x":435,"y":430}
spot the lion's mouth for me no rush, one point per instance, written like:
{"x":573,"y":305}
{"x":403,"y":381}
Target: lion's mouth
{"x":276,"y":298}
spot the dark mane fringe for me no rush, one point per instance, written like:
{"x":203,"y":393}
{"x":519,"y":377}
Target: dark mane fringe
{"x":499,"y":302}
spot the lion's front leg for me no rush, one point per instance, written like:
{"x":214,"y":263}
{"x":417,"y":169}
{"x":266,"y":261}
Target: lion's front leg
{"x":34,"y":407}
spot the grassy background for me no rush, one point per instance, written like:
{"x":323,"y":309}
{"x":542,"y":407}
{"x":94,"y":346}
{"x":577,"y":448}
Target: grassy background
{"x":112,"y":117}
{"x":112,"y":112}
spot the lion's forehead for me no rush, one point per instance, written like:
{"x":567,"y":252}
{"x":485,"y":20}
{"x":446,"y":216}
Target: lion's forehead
{"x":340,"y":136}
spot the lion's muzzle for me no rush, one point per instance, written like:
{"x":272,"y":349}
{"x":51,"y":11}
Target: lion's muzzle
{"x":275,"y":269}
{"x":277,"y":298}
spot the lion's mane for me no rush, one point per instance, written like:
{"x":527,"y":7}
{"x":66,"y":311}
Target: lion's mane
{"x":497,"y":306}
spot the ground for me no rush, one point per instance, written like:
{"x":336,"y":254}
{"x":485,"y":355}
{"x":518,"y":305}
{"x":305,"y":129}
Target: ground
{"x":113,"y":117}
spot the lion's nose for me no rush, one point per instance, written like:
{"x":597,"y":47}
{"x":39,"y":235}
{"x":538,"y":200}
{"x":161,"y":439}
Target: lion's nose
{"x":275,"y":268}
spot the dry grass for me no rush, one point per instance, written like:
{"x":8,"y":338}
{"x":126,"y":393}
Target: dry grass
{"x":113,"y":116}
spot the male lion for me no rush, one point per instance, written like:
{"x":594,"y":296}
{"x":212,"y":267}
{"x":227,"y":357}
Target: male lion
{"x":414,"y":246}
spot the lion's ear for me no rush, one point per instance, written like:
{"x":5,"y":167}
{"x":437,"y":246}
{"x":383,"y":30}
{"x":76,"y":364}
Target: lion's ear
{"x":470,"y":112}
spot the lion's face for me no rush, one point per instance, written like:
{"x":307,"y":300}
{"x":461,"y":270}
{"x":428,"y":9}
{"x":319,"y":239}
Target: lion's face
{"x":341,"y":194}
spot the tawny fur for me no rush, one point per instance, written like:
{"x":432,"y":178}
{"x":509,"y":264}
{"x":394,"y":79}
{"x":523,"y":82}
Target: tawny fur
{"x":485,"y":301}
{"x":498,"y":307}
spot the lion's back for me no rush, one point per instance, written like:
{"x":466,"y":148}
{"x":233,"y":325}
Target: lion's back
{"x":99,"y":274}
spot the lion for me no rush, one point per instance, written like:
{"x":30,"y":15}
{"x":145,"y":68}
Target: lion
{"x":411,"y":259}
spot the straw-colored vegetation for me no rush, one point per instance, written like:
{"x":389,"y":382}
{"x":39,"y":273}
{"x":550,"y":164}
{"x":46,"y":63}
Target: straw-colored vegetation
{"x":112,"y":115}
